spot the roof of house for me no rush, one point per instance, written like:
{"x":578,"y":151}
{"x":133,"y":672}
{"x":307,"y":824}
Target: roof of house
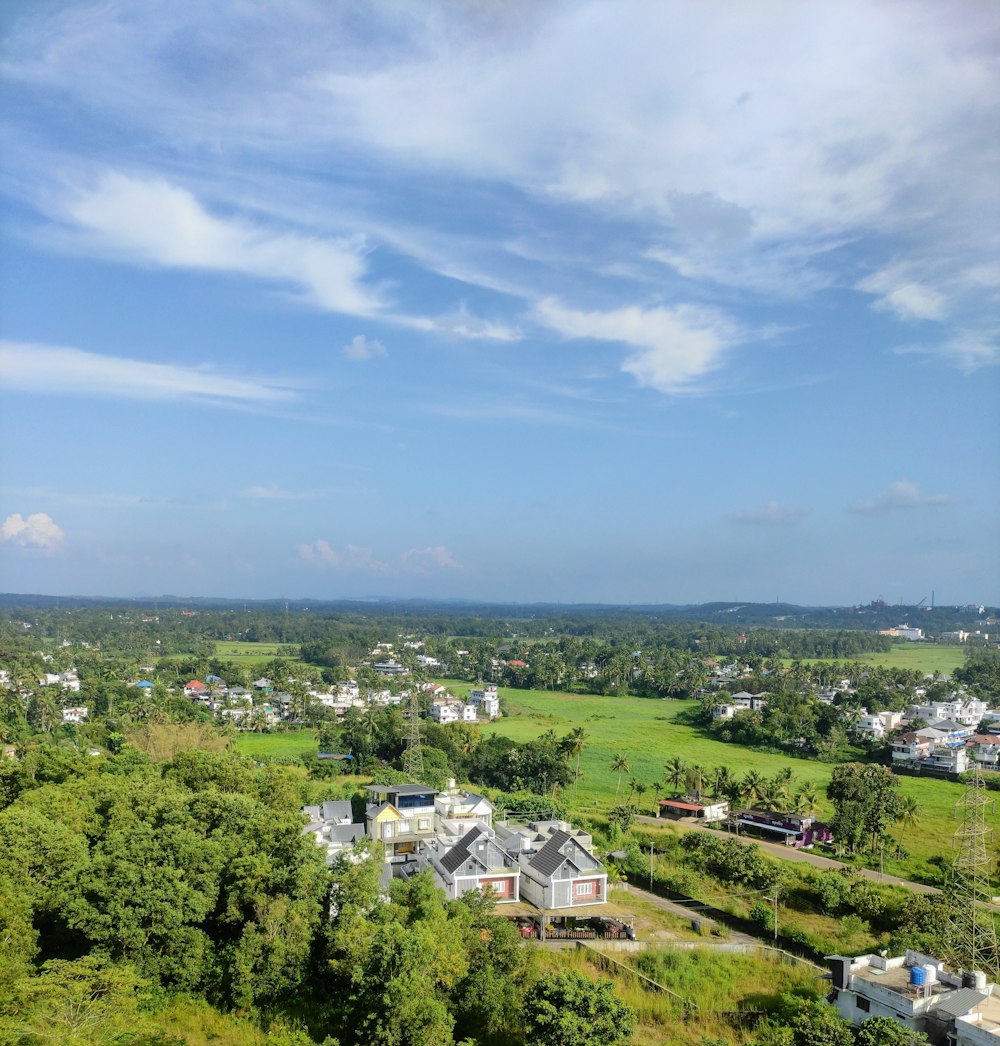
{"x":677,"y":804}
{"x":960,"y":1002}
{"x":337,"y":810}
{"x":403,"y":789}
{"x":459,"y":853}
{"x":985,"y":739}
{"x":551,"y":855}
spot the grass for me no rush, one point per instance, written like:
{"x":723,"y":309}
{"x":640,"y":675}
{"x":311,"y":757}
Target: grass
{"x":921,"y":657}
{"x":649,"y":732}
{"x":287,"y":745}
{"x":713,"y":980}
{"x":248,"y":653}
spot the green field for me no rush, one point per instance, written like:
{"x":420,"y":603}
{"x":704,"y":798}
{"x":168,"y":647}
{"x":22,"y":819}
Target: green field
{"x":246,"y":653}
{"x":288,"y":745}
{"x":647,"y":731}
{"x":921,"y":657}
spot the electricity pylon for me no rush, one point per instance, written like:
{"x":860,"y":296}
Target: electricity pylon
{"x":413,"y":756}
{"x":972,"y":943}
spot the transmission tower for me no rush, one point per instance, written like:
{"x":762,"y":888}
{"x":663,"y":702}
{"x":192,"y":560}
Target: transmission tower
{"x":972,"y":943}
{"x":413,"y":756}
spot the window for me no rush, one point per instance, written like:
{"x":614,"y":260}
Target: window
{"x":423,"y":824}
{"x":862,"y":1004}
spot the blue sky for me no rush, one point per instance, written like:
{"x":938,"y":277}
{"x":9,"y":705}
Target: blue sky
{"x":513,"y":301}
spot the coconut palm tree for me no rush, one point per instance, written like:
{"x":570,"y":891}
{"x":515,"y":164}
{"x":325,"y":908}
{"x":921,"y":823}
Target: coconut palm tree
{"x":807,"y":799}
{"x":619,"y":766}
{"x":676,"y":772}
{"x":751,"y":787}
{"x":909,"y":813}
{"x":695,"y":780}
{"x":721,"y":780}
{"x":574,"y":747}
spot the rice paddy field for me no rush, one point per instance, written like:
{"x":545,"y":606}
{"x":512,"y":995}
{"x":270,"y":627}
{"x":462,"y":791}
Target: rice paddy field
{"x":649,"y":732}
{"x":921,"y":657}
{"x":247,"y":653}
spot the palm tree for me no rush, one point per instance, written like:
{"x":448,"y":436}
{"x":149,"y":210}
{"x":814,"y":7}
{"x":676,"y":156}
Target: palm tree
{"x":807,"y":799}
{"x":695,"y":780}
{"x":751,"y":787}
{"x":619,"y":766}
{"x":676,"y":772}
{"x":721,"y":779}
{"x":909,"y":812}
{"x":574,"y":747}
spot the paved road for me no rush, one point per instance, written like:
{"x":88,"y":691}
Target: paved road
{"x":789,"y":853}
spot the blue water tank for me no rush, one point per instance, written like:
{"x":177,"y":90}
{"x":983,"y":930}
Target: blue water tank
{"x":918,"y":976}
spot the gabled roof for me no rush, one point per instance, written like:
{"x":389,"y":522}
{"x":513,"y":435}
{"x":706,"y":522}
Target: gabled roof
{"x":459,"y":853}
{"x":550,"y":857}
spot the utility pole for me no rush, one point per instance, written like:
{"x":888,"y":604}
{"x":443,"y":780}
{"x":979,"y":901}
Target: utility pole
{"x":651,"y":867}
{"x":776,"y":915}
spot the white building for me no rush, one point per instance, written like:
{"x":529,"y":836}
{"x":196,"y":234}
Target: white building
{"x":918,"y":993}
{"x":444,"y":712}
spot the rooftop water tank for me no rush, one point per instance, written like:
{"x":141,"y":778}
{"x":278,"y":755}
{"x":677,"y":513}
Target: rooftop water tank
{"x":918,"y":976}
{"x":931,"y":970}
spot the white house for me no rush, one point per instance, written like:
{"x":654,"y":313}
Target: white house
{"x":75,"y":715}
{"x":468,"y":713}
{"x":558,"y":869}
{"x":919,"y":994}
{"x":444,"y":712}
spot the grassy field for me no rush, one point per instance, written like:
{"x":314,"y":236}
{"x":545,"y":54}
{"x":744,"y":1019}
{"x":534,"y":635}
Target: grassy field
{"x":921,"y":657}
{"x":246,"y":653}
{"x":710,"y":980}
{"x":648,"y":733}
{"x":290,"y":745}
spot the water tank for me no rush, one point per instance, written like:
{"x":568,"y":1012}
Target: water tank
{"x":918,"y":976}
{"x":840,"y":969}
{"x":931,"y":970}
{"x":979,"y":980}
{"x":968,"y":979}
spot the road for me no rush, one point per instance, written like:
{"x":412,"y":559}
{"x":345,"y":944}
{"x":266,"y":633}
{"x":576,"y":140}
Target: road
{"x":789,"y":853}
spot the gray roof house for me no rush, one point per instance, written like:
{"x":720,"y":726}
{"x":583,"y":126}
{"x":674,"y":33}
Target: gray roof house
{"x":558,"y":869}
{"x":475,"y":862}
{"x":331,"y":824}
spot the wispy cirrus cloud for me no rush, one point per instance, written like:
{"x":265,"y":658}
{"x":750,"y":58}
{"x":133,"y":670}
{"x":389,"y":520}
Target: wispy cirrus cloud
{"x":900,"y":495}
{"x":39,"y":532}
{"x":672,"y":347}
{"x":773,"y":514}
{"x":153,"y":221}
{"x":359,"y":559}
{"x":275,"y":493}
{"x":28,"y":367}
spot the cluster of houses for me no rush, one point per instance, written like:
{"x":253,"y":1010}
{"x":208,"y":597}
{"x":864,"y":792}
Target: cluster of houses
{"x":794,"y":830}
{"x":264,"y":706}
{"x":953,"y":736}
{"x":452,"y":833}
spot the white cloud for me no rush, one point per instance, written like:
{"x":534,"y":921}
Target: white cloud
{"x":360,"y":348}
{"x":899,"y":495}
{"x":39,"y":532}
{"x":358,"y":559}
{"x":153,"y":221}
{"x":673,"y":346}
{"x":424,"y":560}
{"x":909,"y":299}
{"x":275,"y":493}
{"x":67,"y":371}
{"x":771,"y":514}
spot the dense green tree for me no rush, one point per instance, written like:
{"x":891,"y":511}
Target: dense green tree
{"x":884,"y":1031}
{"x":568,"y":1009}
{"x":866,"y":802}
